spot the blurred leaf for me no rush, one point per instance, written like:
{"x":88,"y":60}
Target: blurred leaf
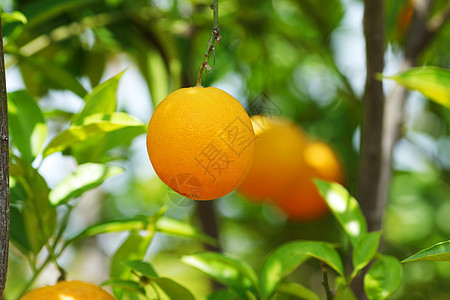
{"x":85,"y":177}
{"x":222,"y":295}
{"x":383,"y":278}
{"x":93,"y":126}
{"x":39,"y":11}
{"x":345,"y":208}
{"x":286,"y":258}
{"x":15,"y":16}
{"x":233,"y":273}
{"x":142,"y":267}
{"x":437,"y":252}
{"x":297,"y":290}
{"x":95,"y":66}
{"x":133,"y":248}
{"x":176,"y":227}
{"x":102,"y":99}
{"x":365,"y":250}
{"x":58,"y":76}
{"x":157,"y":76}
{"x":172,"y":289}
{"x":432,"y":82}
{"x":128,"y":285}
{"x":27,"y":124}
{"x":346,"y":294}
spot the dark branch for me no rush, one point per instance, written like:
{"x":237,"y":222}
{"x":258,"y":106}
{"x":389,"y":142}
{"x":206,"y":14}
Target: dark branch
{"x":373,"y":103}
{"x":4,"y":172}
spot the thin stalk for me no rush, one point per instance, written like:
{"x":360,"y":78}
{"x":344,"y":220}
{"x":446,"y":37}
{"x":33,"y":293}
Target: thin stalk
{"x":215,"y":37}
{"x":325,"y":281}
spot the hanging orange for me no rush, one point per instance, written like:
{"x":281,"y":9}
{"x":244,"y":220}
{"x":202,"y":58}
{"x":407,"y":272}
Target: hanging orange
{"x":200,"y":142}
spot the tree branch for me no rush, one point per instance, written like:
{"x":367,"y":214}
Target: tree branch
{"x":215,"y":37}
{"x":373,"y":104}
{"x":4,"y":172}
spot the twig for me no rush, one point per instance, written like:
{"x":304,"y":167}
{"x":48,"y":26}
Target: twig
{"x":325,"y":281}
{"x":4,"y":172}
{"x":215,"y":37}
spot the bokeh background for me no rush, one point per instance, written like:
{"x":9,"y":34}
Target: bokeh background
{"x":307,"y":57}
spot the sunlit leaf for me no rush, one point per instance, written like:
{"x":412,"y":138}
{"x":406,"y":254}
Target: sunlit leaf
{"x":233,"y":273}
{"x":285,"y":259}
{"x":26,"y":124}
{"x":345,"y":208}
{"x":437,"y":252}
{"x":297,"y":290}
{"x":85,"y":177}
{"x":135,"y":223}
{"x":93,"y":126}
{"x":101,"y":100}
{"x":172,"y":289}
{"x":128,"y":285}
{"x":15,"y":16}
{"x":383,"y":278}
{"x":176,"y":227}
{"x":432,"y":82}
{"x":365,"y":250}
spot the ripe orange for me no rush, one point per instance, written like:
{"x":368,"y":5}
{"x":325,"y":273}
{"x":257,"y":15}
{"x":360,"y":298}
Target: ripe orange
{"x":200,"y":142}
{"x":278,"y":157}
{"x":68,"y":290}
{"x":302,"y":201}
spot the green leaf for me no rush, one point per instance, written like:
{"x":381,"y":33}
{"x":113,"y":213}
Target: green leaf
{"x":432,"y":82}
{"x":297,"y":290}
{"x":176,"y":227}
{"x":59,"y":77}
{"x":26,"y":124}
{"x":135,"y":223}
{"x":437,"y":252}
{"x":172,"y":289}
{"x":233,"y":273}
{"x":101,"y":100}
{"x":365,"y":250}
{"x":285,"y":259}
{"x":85,"y":177}
{"x":94,"y":126}
{"x":18,"y":234}
{"x":133,"y":248}
{"x":142,"y":267}
{"x":15,"y":16}
{"x":128,"y":285}
{"x":222,"y":295}
{"x":383,"y":278}
{"x":345,"y":208}
{"x":37,"y":216}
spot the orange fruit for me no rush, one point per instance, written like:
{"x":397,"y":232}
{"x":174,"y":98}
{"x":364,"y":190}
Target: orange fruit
{"x":302,"y":201}
{"x":277,"y":161}
{"x":68,"y":290}
{"x":200,"y":142}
